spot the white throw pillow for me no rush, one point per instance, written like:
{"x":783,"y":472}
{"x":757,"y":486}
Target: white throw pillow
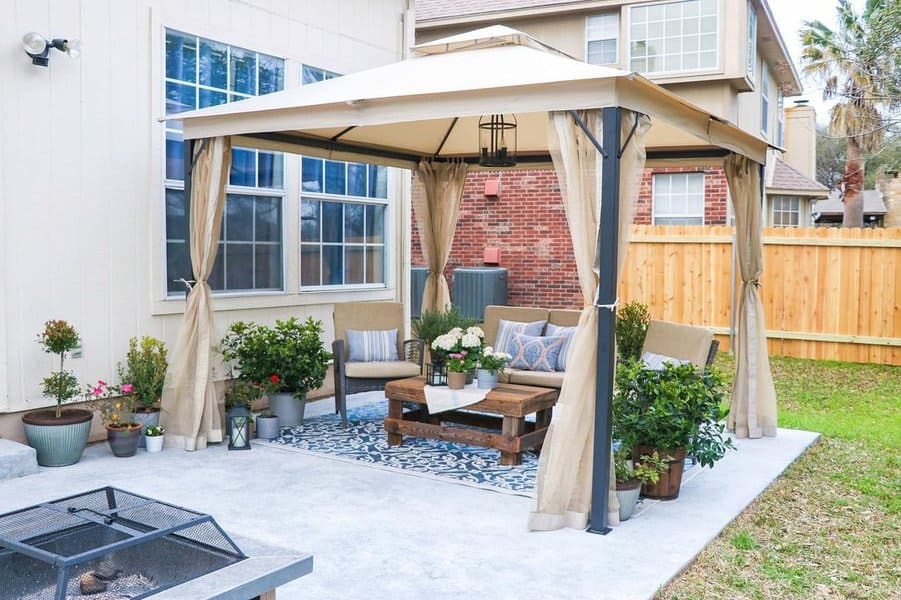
{"x":656,"y":362}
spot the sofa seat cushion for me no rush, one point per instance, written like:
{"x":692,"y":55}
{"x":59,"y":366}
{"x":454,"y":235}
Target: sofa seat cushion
{"x":551,"y":379}
{"x":394,"y":369}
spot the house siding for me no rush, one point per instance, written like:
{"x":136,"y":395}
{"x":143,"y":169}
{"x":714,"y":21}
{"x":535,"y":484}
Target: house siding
{"x":81,"y":163}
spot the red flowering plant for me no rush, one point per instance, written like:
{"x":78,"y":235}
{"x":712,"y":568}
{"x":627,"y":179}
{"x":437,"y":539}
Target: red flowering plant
{"x":115,"y":403}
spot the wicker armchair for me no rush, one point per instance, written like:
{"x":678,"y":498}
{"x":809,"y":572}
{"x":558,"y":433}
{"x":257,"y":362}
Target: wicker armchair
{"x":354,"y":377}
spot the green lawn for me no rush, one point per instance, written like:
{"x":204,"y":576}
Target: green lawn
{"x":830,"y":527}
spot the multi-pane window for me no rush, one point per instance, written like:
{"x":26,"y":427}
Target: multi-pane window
{"x":201,"y":73}
{"x":678,"y":199}
{"x":786,"y":211}
{"x":764,"y":98}
{"x":602,"y":33}
{"x":752,"y":42}
{"x":780,"y":118}
{"x":673,"y":37}
{"x":343,"y":216}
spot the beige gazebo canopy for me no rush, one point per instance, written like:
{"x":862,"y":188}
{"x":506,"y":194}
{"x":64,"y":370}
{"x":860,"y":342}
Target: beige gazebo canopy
{"x":590,"y":123}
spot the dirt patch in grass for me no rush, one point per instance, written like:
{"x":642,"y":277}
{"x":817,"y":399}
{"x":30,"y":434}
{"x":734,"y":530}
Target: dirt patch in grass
{"x":829,"y":527}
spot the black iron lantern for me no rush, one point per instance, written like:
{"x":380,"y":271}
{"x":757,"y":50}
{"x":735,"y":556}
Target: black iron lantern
{"x":497,"y":141}
{"x":237,"y":427}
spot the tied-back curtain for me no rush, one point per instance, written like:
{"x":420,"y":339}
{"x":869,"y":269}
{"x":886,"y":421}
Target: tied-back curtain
{"x":437,"y":209}
{"x":753,"y":410}
{"x":563,"y":484}
{"x":190,"y":403}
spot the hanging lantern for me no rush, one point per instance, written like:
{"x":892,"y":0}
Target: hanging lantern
{"x":237,"y":427}
{"x":497,"y":141}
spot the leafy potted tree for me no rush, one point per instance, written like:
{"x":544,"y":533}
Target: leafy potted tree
{"x":290,"y":355}
{"x":491,"y":363}
{"x":153,"y":438}
{"x":631,"y":329}
{"x":116,"y":408}
{"x":674,"y":412}
{"x":631,"y":476}
{"x":59,"y":436}
{"x":145,"y":371}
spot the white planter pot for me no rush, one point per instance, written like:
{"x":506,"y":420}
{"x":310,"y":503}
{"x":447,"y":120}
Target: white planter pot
{"x":487,"y":379}
{"x":154,"y":443}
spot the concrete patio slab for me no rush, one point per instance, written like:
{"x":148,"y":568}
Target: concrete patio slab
{"x":16,"y":460}
{"x":377,"y":534}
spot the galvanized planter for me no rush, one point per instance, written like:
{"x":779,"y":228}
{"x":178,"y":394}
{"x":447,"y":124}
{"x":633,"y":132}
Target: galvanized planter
{"x":487,"y":379}
{"x":268,"y":428}
{"x":58,"y":444}
{"x":146,"y":419}
{"x":288,"y":408}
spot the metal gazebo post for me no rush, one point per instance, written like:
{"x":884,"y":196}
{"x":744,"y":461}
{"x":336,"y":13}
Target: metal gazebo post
{"x":608,"y":243}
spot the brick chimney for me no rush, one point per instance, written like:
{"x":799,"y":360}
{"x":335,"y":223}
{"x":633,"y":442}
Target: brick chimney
{"x":801,"y":138}
{"x":889,"y":183}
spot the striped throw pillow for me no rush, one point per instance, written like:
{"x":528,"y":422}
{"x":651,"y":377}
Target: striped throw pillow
{"x":656,"y":362}
{"x":372,"y":346}
{"x":507,"y":329}
{"x":567,"y":333}
{"x":535,"y":353}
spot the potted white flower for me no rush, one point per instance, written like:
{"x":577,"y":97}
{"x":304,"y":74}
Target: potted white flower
{"x":491,"y":364}
{"x":153,"y":438}
{"x":460,"y":350}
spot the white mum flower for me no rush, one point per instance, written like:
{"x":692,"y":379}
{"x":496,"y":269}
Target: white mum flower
{"x":470,"y":340}
{"x":444,"y":342}
{"x":488,"y":351}
{"x":456,"y":332}
{"x":475,"y":331}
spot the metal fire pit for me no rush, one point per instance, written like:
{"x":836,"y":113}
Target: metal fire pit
{"x":120,"y":544}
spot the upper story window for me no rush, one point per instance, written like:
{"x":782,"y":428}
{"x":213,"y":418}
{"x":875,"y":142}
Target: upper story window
{"x":780,"y":118}
{"x":201,"y":73}
{"x":343,"y":219}
{"x":602,"y":35}
{"x":678,"y":199}
{"x":764,"y":99}
{"x":674,"y":37}
{"x":752,"y":42}
{"x":786,"y":211}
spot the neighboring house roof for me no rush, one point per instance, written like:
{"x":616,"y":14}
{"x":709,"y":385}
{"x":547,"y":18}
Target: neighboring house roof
{"x":788,"y":179}
{"x":872,"y":203}
{"x":440,"y":9}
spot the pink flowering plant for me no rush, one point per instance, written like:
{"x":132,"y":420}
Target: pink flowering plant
{"x":459,"y":348}
{"x":115,"y":403}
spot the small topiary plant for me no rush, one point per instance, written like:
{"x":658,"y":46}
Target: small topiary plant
{"x":631,"y":328}
{"x":60,"y":338}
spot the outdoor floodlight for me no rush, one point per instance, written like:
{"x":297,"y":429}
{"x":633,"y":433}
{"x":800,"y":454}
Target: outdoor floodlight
{"x":38,"y":48}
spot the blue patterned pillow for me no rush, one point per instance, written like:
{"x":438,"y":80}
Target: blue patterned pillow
{"x":371,"y":346}
{"x":535,"y":353}
{"x":506,"y":330}
{"x":567,"y":333}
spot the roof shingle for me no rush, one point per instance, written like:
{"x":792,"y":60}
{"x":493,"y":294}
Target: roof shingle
{"x":786,"y":177}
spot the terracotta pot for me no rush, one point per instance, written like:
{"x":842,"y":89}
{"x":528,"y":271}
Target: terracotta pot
{"x":667,"y":487}
{"x":123,"y":441}
{"x":456,"y":381}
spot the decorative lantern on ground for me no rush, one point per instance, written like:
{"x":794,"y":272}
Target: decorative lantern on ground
{"x":238,"y":428}
{"x":497,"y":141}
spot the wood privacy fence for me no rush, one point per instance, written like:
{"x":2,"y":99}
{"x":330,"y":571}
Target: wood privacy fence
{"x":828,"y":293}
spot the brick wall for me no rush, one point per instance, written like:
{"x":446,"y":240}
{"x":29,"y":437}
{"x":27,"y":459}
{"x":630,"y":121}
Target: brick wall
{"x":527,"y":222}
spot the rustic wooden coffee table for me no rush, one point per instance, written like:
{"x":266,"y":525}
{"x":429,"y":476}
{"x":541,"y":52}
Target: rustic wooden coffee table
{"x":510,"y":403}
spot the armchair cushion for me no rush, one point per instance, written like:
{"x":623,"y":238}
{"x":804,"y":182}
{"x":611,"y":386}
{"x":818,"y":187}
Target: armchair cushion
{"x":395,"y":369}
{"x":372,"y":346}
{"x":535,"y":353}
{"x":655,"y":362}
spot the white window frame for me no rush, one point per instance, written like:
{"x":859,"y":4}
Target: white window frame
{"x":780,"y":118}
{"x":604,"y":15}
{"x":654,"y":215}
{"x":764,"y":99}
{"x":178,"y":184}
{"x":794,"y":200}
{"x":717,"y":46}
{"x":752,"y":43}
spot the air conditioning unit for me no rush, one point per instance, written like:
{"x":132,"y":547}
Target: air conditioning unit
{"x":478,"y":287}
{"x":418,"y":276}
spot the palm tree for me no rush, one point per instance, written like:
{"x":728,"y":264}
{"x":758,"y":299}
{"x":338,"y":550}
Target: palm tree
{"x":855,"y":76}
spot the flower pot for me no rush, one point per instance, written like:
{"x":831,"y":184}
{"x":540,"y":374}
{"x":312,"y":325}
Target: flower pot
{"x":58,"y":442}
{"x":470,"y":376}
{"x":123,"y":441}
{"x":627,"y":495}
{"x":154,"y":443}
{"x":667,"y":487}
{"x":487,"y":379}
{"x":146,"y":418}
{"x":268,"y":428}
{"x":456,"y":381}
{"x":288,"y":408}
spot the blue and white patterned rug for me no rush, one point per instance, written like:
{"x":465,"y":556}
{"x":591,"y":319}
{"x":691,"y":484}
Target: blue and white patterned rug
{"x":365,"y":440}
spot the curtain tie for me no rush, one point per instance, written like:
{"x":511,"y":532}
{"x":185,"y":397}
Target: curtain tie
{"x":611,"y":306}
